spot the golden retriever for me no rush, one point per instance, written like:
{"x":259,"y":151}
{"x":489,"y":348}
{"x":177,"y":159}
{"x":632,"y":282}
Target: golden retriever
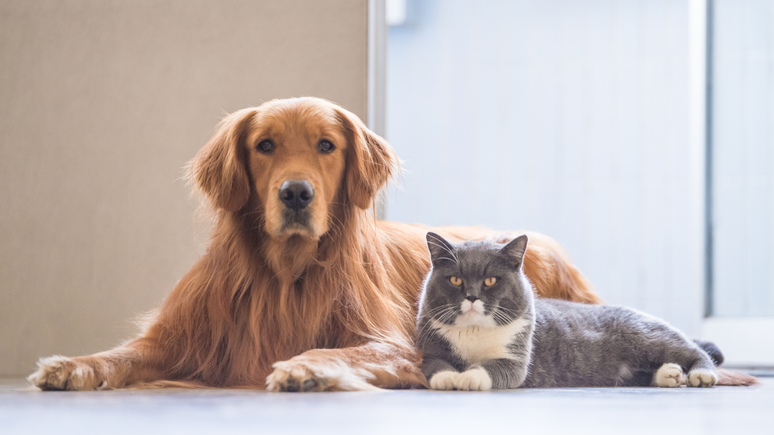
{"x":300,"y":288}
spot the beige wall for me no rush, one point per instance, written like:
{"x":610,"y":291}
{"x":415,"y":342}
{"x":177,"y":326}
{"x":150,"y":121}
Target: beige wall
{"x":101,"y":104}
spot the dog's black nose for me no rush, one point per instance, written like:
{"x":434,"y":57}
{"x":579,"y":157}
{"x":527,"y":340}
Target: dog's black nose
{"x":296,"y":194}
{"x":472,"y":298}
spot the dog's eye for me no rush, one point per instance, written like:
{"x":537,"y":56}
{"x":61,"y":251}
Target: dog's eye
{"x":455,"y":280}
{"x":265,"y":147}
{"x":489,"y":282}
{"x":325,"y":147}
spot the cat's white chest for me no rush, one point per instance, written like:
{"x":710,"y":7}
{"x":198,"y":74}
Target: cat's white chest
{"x":476,"y":344}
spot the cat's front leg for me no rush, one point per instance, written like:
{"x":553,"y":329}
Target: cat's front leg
{"x":473,"y":379}
{"x":504,"y":373}
{"x":440,"y":374}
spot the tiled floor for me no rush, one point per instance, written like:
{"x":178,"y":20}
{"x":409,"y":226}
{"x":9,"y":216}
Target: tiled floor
{"x":720,"y":410}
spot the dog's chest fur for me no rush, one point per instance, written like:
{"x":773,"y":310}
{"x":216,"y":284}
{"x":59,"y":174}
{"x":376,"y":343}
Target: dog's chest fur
{"x":476,"y":344}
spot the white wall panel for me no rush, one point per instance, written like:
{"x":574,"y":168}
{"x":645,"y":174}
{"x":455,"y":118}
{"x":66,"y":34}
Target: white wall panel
{"x":566,"y":117}
{"x":743,"y":162}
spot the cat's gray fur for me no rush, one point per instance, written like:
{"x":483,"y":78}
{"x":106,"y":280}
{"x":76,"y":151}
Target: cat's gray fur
{"x":523,"y":341}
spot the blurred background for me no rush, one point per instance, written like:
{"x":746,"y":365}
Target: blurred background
{"x":638,"y":133}
{"x":103,"y":103}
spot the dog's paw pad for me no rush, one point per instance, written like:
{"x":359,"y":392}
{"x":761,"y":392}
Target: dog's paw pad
{"x":294,"y":378}
{"x":316,"y":372}
{"x":476,"y":379}
{"x":702,"y":378}
{"x":443,"y":380}
{"x":61,"y":373}
{"x":669,"y":375}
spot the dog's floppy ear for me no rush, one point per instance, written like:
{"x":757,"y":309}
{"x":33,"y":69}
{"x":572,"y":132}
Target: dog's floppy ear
{"x":219,"y":169}
{"x":370,"y":160}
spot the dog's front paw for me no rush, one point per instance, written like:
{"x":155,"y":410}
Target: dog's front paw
{"x":669,"y":375}
{"x":316,"y":371}
{"x":62,"y":373}
{"x":475,"y":379}
{"x":702,"y":378}
{"x":443,"y":380}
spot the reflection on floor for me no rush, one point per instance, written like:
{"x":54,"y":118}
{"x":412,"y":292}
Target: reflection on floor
{"x":721,"y":410}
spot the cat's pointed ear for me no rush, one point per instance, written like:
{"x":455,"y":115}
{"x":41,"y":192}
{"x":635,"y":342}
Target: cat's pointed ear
{"x":513,"y":252}
{"x":440,"y":249}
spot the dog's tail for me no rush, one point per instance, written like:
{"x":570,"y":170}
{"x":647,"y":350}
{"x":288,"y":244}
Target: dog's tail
{"x":729,"y":378}
{"x":580,"y":288}
{"x":733,"y":378}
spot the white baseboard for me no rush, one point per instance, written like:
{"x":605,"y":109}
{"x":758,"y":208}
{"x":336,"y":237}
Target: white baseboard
{"x":744,"y":341}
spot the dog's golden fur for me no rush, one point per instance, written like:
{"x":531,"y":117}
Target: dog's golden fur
{"x":325,"y":305}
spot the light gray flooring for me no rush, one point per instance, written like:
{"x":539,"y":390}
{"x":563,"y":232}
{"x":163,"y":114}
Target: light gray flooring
{"x":720,"y":410}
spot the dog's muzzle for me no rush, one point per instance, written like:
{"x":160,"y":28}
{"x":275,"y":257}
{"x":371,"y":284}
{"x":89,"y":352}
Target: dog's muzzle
{"x":296,"y":195}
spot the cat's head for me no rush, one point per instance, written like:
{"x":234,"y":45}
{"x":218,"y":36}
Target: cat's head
{"x":476,"y":283}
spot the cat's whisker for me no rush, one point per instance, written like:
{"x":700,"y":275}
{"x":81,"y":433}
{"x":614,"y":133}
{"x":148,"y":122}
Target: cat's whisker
{"x":509,"y":310}
{"x":440,"y":308}
{"x":447,"y":315}
{"x":501,"y":317}
{"x":508,"y":315}
{"x":441,"y":313}
{"x":443,"y":316}
{"x":446,"y":306}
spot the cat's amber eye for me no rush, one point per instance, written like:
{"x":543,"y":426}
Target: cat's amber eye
{"x":489,"y":282}
{"x":455,"y":280}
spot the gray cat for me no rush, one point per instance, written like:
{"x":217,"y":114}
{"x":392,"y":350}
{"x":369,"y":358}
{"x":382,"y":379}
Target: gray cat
{"x":481,"y":328}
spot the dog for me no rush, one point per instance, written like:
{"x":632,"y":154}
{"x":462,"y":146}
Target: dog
{"x":300,"y":288}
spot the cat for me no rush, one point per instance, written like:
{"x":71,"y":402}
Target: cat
{"x":480,"y":327}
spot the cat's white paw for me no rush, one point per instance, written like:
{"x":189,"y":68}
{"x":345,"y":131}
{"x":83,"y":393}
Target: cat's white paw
{"x":476,"y":379}
{"x":669,"y":375}
{"x":443,"y":380}
{"x":702,"y":378}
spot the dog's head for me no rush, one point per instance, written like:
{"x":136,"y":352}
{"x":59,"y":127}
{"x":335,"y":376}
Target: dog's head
{"x":296,"y":157}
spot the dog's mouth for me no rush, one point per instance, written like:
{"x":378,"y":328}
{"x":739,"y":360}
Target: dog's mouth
{"x":296,"y":222}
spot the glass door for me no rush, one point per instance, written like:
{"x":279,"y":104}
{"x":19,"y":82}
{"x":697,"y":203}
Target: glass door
{"x":741,"y":187}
